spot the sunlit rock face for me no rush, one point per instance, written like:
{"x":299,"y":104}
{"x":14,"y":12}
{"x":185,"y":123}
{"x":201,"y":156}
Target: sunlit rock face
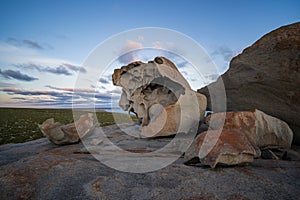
{"x":159,"y":95}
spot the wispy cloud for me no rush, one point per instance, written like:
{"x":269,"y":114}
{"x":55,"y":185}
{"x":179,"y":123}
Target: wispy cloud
{"x":32,"y":44}
{"x":8,"y":74}
{"x":88,"y":90}
{"x":74,"y":68}
{"x":226,"y":52}
{"x":104,"y":81}
{"x":27,"y":43}
{"x":63,"y":97}
{"x":127,"y":52}
{"x":210,"y":78}
{"x":63,"y":69}
{"x":13,"y":91}
{"x":5,"y":85}
{"x":57,"y":70}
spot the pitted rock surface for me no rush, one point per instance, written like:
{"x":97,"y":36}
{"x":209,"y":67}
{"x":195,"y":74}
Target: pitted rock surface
{"x":160,"y":97}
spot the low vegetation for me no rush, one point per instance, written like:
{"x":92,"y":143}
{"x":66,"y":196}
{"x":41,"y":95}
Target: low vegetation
{"x":21,"y":124}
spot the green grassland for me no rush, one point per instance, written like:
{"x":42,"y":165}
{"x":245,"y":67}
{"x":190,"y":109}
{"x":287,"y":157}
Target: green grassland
{"x":21,"y":124}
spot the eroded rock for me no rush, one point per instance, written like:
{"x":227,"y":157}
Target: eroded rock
{"x":67,"y":134}
{"x":160,"y":97}
{"x":244,"y":136}
{"x":262,"y":130}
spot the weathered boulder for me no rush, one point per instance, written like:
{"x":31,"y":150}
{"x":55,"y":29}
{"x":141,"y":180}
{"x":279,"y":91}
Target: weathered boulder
{"x":160,"y":97}
{"x":266,"y":76}
{"x":67,"y":134}
{"x":239,"y":138}
{"x":262,"y":130}
{"x":228,"y":147}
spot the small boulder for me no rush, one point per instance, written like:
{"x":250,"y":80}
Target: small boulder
{"x":238,"y":137}
{"x":67,"y":134}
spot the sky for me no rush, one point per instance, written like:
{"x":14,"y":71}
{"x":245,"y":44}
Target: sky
{"x":45,"y":45}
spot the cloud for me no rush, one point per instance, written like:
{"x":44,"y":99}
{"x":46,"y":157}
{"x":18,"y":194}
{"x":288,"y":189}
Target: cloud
{"x":74,"y":67}
{"x":89,"y":93}
{"x":115,"y":91}
{"x":71,"y":89}
{"x":127,"y":58}
{"x":27,"y":43}
{"x":103,"y":80}
{"x":184,"y":73}
{"x":32,"y":44}
{"x":130,"y":45}
{"x":176,"y":59}
{"x":181,"y":64}
{"x":127,"y":53}
{"x":57,"y":70}
{"x":225,"y":52}
{"x":13,"y":91}
{"x":8,"y":74}
{"x":62,"y":97}
{"x":211,"y":78}
{"x":4,"y":85}
{"x":63,"y":69}
{"x":157,"y":45}
{"x":19,"y":98}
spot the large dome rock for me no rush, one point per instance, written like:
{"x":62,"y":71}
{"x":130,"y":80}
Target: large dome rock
{"x":266,"y":76}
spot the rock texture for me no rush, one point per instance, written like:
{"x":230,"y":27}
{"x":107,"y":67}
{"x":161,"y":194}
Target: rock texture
{"x":228,"y":147}
{"x":262,"y":130}
{"x":159,"y":96}
{"x":67,"y":134}
{"x":243,"y":136}
{"x":42,"y":170}
{"x":266,"y":76}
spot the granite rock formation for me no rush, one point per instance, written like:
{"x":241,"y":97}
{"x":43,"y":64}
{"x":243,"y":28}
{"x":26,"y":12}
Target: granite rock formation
{"x":160,"y":97}
{"x":243,"y":136}
{"x":262,"y":130}
{"x":266,"y":76}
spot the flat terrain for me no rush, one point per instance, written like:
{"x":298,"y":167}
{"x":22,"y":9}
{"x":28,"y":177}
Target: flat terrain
{"x":21,"y":124}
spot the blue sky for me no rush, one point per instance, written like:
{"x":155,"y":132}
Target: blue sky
{"x":44,"y":43}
